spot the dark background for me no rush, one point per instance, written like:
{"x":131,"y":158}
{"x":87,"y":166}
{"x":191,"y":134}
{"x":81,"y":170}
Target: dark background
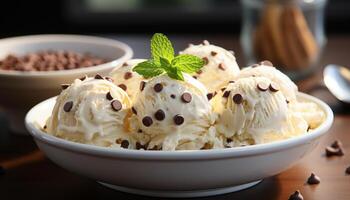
{"x":138,"y":16}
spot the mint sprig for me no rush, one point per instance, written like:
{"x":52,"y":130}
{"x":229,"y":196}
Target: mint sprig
{"x":161,"y":47}
{"x":164,"y":60}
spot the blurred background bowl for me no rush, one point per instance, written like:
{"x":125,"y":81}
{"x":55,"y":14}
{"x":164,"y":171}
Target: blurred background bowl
{"x":19,"y":90}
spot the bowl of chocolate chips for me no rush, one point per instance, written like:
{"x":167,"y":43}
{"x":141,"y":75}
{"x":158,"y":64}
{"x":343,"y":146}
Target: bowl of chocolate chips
{"x":33,"y":68}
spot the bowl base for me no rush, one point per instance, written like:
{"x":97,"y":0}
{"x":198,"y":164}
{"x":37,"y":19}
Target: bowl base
{"x":182,"y":194}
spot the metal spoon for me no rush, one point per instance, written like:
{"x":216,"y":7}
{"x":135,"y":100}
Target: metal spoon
{"x":337,"y":80}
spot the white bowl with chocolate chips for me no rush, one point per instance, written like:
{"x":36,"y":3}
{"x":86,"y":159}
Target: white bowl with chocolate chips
{"x":32,"y":68}
{"x":175,"y":173}
{"x":159,"y":131}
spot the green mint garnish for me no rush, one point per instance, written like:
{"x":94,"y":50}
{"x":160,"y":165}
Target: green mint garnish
{"x":148,"y":69}
{"x":164,"y":60}
{"x":188,"y":63}
{"x":161,"y":47}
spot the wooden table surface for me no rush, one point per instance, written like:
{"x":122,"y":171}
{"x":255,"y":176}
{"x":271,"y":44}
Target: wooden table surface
{"x":30,"y":175}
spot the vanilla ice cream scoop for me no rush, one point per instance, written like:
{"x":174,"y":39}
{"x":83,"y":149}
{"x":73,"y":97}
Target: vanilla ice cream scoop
{"x":174,"y":115}
{"x":254,"y":110}
{"x":92,"y":111}
{"x":125,"y":78}
{"x":220,"y":65}
{"x":265,"y":69}
{"x":311,"y":113}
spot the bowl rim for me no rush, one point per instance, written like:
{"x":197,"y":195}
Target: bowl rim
{"x":245,"y":151}
{"x":128,"y":53}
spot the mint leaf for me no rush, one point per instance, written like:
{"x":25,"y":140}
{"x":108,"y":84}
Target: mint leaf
{"x":161,"y":47}
{"x":164,"y":60}
{"x":188,"y":63}
{"x":176,"y":74}
{"x":172,"y":71}
{"x":148,"y":69}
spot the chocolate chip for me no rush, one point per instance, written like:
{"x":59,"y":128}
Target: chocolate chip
{"x":206,"y":60}
{"x":2,"y":170}
{"x":296,"y":196}
{"x":223,"y":89}
{"x":68,"y":106}
{"x":229,"y":140}
{"x":237,"y":98}
{"x":255,"y":65}
{"x":159,"y":115}
{"x":262,"y":86}
{"x":287,"y":101}
{"x":109,"y":96}
{"x":336,"y":144}
{"x":178,"y":119}
{"x":155,"y":148}
{"x":45,"y":127}
{"x":207,"y":145}
{"x":173,"y":96}
{"x":347,"y":171}
{"x":127,"y":75}
{"x":49,"y":60}
{"x":116,"y":105}
{"x":186,"y":97}
{"x":139,"y":146}
{"x":266,"y":63}
{"x":123,"y":86}
{"x":231,"y":81}
{"x":195,"y":77}
{"x":210,"y":96}
{"x":213,"y":53}
{"x":125,"y":64}
{"x":226,"y":94}
{"x":139,"y":131}
{"x":273,"y":87}
{"x":97,"y":76}
{"x":158,"y":87}
{"x":142,"y":85}
{"x":64,"y":86}
{"x":199,"y":72}
{"x":134,"y":110}
{"x":109,"y":79}
{"x":330,"y":151}
{"x":222,"y":66}
{"x":308,"y":128}
{"x":124,"y":144}
{"x":82,"y":78}
{"x":147,"y":121}
{"x":313,"y":179}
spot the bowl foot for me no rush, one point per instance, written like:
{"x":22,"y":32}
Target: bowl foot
{"x":182,"y":194}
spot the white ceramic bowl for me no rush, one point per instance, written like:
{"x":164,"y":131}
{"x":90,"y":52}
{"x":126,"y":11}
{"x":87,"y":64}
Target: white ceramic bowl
{"x":180,"y":173}
{"x":20,"y":91}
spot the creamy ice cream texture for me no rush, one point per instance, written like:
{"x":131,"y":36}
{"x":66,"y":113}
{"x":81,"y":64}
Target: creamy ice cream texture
{"x":265,"y":69}
{"x":254,"y":110}
{"x":220,"y":65}
{"x":124,"y":77}
{"x":310,"y":112}
{"x":92,"y":111}
{"x":175,"y":115}
{"x":219,"y":106}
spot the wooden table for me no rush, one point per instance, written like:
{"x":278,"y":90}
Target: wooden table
{"x":31,"y":175}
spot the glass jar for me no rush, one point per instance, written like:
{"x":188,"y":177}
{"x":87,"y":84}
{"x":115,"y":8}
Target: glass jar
{"x":289,"y":33}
